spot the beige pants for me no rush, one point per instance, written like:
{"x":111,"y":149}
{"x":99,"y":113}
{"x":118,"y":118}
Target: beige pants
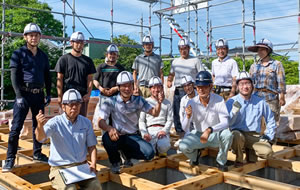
{"x":275,"y":107}
{"x":145,"y":91}
{"x":58,"y":183}
{"x":249,"y":141}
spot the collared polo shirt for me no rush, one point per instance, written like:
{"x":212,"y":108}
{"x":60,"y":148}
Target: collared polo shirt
{"x":214,"y":115}
{"x":125,"y":115}
{"x":250,"y":114}
{"x":147,"y":67}
{"x":69,"y":142}
{"x":224,"y":71}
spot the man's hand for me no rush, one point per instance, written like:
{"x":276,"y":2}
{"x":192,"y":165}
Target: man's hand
{"x":205,"y":135}
{"x":113,"y":134}
{"x":161,"y":97}
{"x":40,"y":118}
{"x":93,"y":167}
{"x":136,"y":90}
{"x":86,"y":98}
{"x":282,"y":101}
{"x":20,"y":102}
{"x":188,"y":111}
{"x":48,"y":100}
{"x":169,"y":84}
{"x":161,"y":134}
{"x":147,"y":137}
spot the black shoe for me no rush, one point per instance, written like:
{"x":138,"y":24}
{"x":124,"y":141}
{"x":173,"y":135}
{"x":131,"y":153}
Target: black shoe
{"x":115,"y":168}
{"x":9,"y":164}
{"x":40,"y":157}
{"x":222,"y":168}
{"x":196,"y":163}
{"x":127,"y":163}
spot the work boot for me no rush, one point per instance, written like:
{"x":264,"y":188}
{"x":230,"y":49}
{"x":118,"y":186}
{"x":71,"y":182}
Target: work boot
{"x":222,"y":168}
{"x":127,"y":163}
{"x":40,"y":158}
{"x":196,"y":163}
{"x":9,"y":164}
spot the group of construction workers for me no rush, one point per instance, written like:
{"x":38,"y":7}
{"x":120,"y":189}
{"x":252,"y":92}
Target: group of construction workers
{"x":223,"y":108}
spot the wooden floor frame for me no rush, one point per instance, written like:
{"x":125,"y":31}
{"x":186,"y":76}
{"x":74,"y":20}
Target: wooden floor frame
{"x":203,"y":176}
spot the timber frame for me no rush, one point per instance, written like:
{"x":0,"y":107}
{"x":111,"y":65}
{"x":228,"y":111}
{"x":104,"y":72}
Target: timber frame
{"x":203,"y":176}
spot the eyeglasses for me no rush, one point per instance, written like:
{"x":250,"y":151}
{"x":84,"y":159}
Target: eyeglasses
{"x":72,"y":104}
{"x":245,"y":84}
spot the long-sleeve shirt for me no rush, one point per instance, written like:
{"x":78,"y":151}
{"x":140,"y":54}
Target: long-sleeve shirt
{"x":250,"y":115}
{"x":165,"y":117}
{"x":214,"y":115}
{"x":270,"y":77}
{"x":184,"y":100}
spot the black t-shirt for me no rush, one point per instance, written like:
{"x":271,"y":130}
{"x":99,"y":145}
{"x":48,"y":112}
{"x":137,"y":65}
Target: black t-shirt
{"x":75,"y":71}
{"x":107,"y":75}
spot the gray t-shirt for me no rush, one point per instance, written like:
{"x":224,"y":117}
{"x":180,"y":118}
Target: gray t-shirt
{"x":180,"y":67}
{"x":147,"y":67}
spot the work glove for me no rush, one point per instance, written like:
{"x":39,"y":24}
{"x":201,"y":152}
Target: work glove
{"x":236,"y":107}
{"x":20,"y":102}
{"x":265,"y":138}
{"x":48,"y":100}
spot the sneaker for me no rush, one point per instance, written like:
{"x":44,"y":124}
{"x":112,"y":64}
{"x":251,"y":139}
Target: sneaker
{"x":238,"y":164}
{"x":127,"y":163}
{"x":222,"y":168}
{"x":40,"y":158}
{"x":115,"y":168}
{"x":9,"y":164}
{"x":196,"y":163}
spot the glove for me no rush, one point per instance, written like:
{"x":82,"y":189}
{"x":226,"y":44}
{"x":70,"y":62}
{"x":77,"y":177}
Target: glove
{"x":265,"y":138}
{"x":48,"y":100}
{"x":236,"y":107}
{"x":20,"y":102}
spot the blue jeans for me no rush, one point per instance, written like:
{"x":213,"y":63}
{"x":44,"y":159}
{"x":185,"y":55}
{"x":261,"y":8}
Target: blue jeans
{"x":133,"y":146}
{"x":36,"y":103}
{"x":178,"y":94}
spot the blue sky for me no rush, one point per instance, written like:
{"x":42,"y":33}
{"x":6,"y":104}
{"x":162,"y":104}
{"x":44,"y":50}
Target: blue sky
{"x":278,"y":31}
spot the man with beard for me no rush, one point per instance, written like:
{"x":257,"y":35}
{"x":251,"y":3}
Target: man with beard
{"x":184,"y":65}
{"x":209,"y":115}
{"x":246,"y":111}
{"x":224,"y":70}
{"x":145,"y":66}
{"x":156,"y":129}
{"x":75,"y":71}
{"x":30,"y":72}
{"x":122,"y":135}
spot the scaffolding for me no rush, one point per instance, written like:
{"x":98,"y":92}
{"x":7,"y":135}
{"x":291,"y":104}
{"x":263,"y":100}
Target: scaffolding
{"x":164,"y":10}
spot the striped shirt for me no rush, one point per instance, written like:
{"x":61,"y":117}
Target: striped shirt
{"x":269,"y":77}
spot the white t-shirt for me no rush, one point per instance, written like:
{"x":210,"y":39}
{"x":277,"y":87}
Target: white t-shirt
{"x":224,"y":71}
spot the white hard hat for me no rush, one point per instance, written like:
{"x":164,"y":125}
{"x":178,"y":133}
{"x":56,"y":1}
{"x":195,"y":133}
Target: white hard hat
{"x":32,"y":27}
{"x":265,"y":43}
{"x":124,"y":77}
{"x":77,"y":36}
{"x":186,"y":79}
{"x":183,"y":42}
{"x":148,"y":39}
{"x":112,"y":48}
{"x":70,"y":96}
{"x":243,"y":75}
{"x":155,"y":81}
{"x":221,"y":43}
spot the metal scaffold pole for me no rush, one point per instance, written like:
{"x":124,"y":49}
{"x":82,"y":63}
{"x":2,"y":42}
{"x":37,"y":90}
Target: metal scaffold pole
{"x":150,"y":12}
{"x":207,"y":32}
{"x":142,"y":32}
{"x":112,"y":21}
{"x":189,"y":20}
{"x":2,"y":55}
{"x":299,"y":41}
{"x":64,"y":26}
{"x":73,"y":12}
{"x":243,"y":33}
{"x":196,"y":30}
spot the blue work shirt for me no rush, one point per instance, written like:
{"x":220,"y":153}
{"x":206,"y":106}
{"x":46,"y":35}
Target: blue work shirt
{"x":69,"y":142}
{"x":250,"y":115}
{"x":125,"y":115}
{"x":32,"y":68}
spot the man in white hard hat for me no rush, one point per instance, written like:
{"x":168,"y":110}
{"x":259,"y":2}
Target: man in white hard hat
{"x":246,"y":111}
{"x":268,"y":77}
{"x":105,"y":78}
{"x":122,"y":135}
{"x":145,"y":66}
{"x":72,"y":138}
{"x":156,"y":129}
{"x":224,"y":71}
{"x":30,"y":72}
{"x":209,"y":115}
{"x":75,"y":71}
{"x":184,"y":65}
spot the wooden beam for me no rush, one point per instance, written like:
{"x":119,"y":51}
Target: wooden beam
{"x":142,"y":167}
{"x":15,"y":182}
{"x":30,"y":168}
{"x":285,"y":153}
{"x":134,"y":182}
{"x":285,"y":164}
{"x":198,"y":182}
{"x":43,"y":186}
{"x":253,"y":182}
{"x":248,"y":168}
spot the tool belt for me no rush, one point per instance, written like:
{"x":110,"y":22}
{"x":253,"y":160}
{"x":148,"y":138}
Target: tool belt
{"x":265,"y":90}
{"x":219,"y":89}
{"x":156,"y":125}
{"x":32,"y":90}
